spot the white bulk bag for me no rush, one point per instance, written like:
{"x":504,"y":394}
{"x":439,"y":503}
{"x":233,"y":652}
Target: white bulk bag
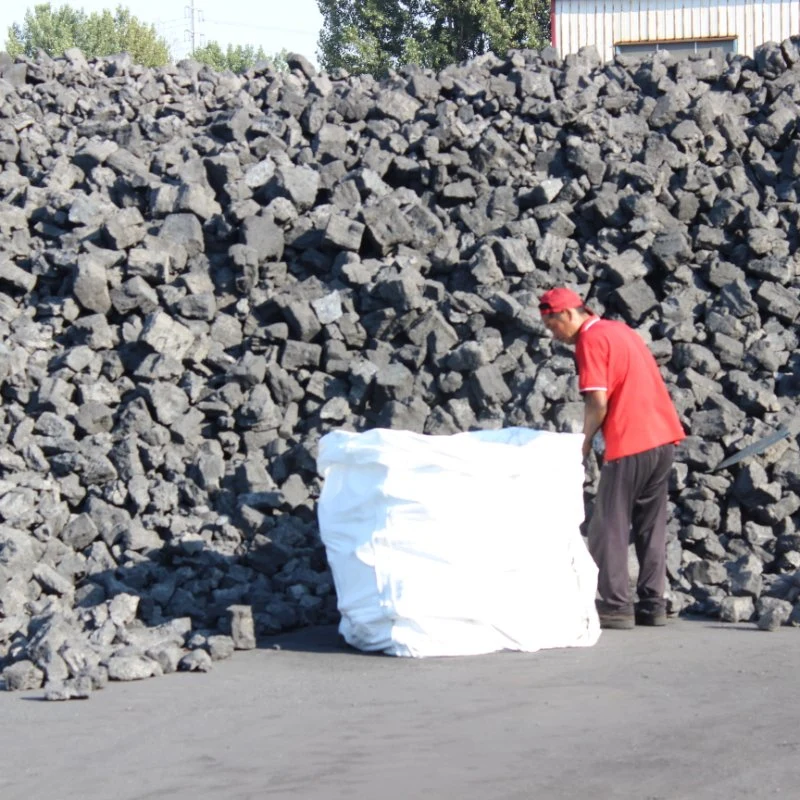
{"x":457,"y":545}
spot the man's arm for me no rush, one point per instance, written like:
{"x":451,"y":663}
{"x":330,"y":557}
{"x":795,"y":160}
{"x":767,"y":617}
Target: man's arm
{"x":595,"y":407}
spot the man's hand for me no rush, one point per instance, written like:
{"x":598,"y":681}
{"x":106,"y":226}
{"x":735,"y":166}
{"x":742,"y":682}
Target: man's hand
{"x":595,"y":408}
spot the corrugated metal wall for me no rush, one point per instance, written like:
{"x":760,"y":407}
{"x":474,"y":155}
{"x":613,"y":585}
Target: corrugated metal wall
{"x":605,"y":23}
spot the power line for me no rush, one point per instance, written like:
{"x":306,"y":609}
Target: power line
{"x":261,"y":27}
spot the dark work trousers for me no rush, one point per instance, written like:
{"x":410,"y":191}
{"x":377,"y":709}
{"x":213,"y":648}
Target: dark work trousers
{"x":632,"y":493}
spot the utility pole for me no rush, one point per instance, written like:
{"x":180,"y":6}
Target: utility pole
{"x":194,"y":16}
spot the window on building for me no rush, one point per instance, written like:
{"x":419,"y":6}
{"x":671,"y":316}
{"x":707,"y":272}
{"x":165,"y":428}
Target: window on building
{"x":677,"y":47}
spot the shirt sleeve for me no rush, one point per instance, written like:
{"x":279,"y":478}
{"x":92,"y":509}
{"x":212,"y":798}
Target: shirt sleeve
{"x":591,"y":357}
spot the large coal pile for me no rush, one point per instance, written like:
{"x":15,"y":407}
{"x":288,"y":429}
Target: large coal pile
{"x":203,"y":273}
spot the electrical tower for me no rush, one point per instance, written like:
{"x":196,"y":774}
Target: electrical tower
{"x":194,"y":17}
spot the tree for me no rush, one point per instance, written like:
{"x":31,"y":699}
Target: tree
{"x":376,"y":35}
{"x":212,"y":55}
{"x":102,"y":33}
{"x":237,"y":58}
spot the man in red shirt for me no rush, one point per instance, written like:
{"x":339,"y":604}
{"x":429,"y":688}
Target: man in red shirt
{"x":625,"y":396}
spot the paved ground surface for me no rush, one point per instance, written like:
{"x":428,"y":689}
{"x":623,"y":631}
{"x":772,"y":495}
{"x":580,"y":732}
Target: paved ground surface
{"x":696,"y":710}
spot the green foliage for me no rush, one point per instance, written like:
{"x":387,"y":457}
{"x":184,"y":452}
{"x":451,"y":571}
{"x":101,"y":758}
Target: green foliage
{"x":279,"y":60}
{"x":102,"y":33}
{"x":240,"y":59}
{"x":374,"y":36}
{"x":212,"y":55}
{"x":236,"y":58}
{"x":14,"y":44}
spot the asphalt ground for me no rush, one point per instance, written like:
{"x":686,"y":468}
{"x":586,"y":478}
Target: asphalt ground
{"x":695,"y":710}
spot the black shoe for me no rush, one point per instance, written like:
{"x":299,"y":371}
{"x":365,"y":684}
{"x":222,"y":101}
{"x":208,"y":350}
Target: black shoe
{"x":619,"y":621}
{"x":654,"y":617}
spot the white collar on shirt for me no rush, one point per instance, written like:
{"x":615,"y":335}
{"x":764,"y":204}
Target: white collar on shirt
{"x":588,"y":324}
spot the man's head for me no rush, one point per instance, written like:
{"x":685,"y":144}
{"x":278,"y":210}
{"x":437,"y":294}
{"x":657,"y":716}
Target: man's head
{"x":563,"y":313}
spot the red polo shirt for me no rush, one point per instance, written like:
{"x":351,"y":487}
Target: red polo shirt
{"x":613,"y":358}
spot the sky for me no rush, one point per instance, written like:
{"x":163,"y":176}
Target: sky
{"x":273,"y":24}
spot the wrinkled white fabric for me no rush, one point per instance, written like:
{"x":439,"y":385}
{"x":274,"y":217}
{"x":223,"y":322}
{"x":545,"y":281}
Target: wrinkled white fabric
{"x":457,"y":545}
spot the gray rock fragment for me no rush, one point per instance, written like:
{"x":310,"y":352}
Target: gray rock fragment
{"x":772,"y":613}
{"x":344,"y":233}
{"x":72,"y":689}
{"x":745,"y":575}
{"x":122,"y":609}
{"x":328,"y":309}
{"x":184,"y":230}
{"x":167,"y":655}
{"x":14,"y":276}
{"x":635,"y":300}
{"x":195,"y":661}
{"x":130,"y":668}
{"x":52,"y":581}
{"x":220,"y":647}
{"x":736,"y":609}
{"x":23,"y":676}
{"x":264,"y":237}
{"x":166,"y":336}
{"x":242,"y":627}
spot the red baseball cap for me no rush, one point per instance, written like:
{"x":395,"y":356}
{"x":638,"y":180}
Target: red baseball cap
{"x":554,"y":301}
